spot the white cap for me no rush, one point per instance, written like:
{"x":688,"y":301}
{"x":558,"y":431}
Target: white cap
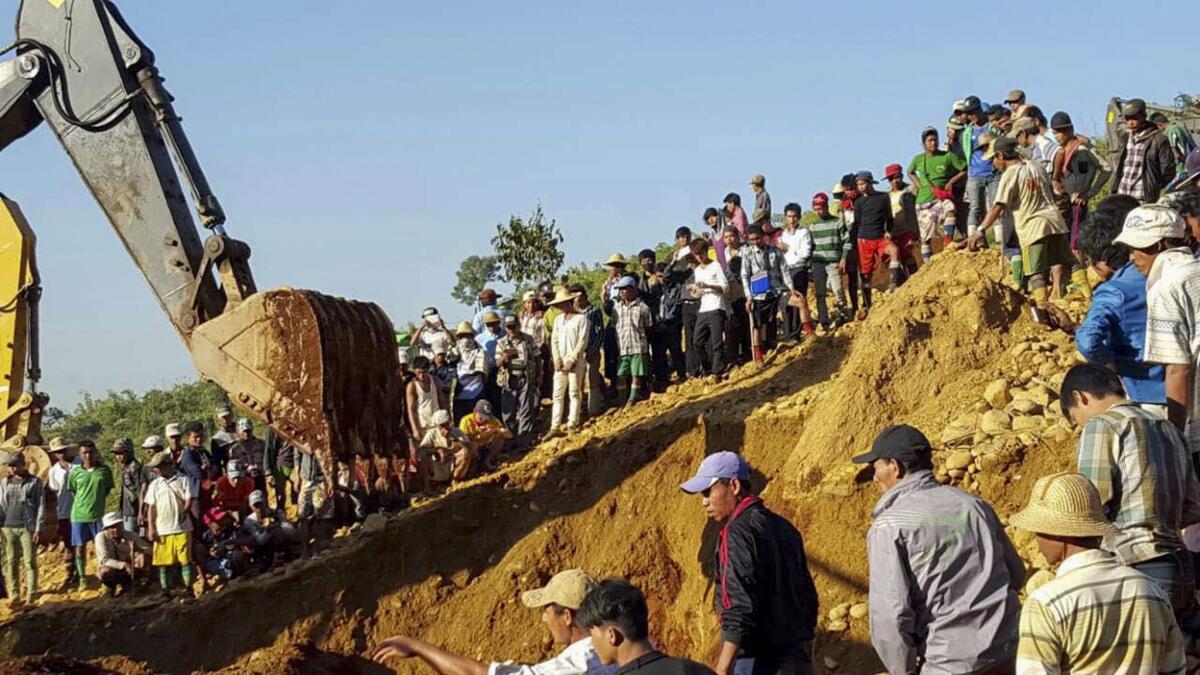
{"x":257,"y":497}
{"x":111,"y":518}
{"x":1147,"y":225}
{"x":152,"y":442}
{"x":243,"y":424}
{"x":441,"y":417}
{"x":959,"y":106}
{"x":172,"y":430}
{"x":234,"y":469}
{"x":402,"y":354}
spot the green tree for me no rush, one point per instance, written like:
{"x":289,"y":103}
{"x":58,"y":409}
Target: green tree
{"x":528,"y":251}
{"x":474,"y":274}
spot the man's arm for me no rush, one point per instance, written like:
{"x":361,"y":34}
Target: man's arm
{"x":410,"y":396}
{"x":1093,"y":337}
{"x":892,"y":619}
{"x":1039,"y":651}
{"x":1103,"y":171}
{"x":1098,"y":446}
{"x":738,"y":588}
{"x":442,"y":661}
{"x":151,"y":519}
{"x":40,"y":519}
{"x":1179,"y":393}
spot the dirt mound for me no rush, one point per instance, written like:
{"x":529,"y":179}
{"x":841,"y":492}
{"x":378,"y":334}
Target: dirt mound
{"x":607,"y":500}
{"x":56,"y":665}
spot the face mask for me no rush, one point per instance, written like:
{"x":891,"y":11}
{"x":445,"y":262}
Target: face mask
{"x":465,"y":344}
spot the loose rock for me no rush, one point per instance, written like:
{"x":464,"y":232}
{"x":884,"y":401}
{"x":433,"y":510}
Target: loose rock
{"x":858,"y":611}
{"x":996,"y":394}
{"x":958,"y":459}
{"x":995,"y":422}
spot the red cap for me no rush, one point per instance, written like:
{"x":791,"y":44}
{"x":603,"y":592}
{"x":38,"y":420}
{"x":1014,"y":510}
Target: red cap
{"x":893,"y":170}
{"x":820,"y":199}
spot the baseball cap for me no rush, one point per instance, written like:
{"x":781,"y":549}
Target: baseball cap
{"x":865,"y":176}
{"x":159,"y":459}
{"x":429,"y":313}
{"x":152,"y":442}
{"x":928,"y":130}
{"x":172,"y":429}
{"x":959,"y":106}
{"x":483,"y":407}
{"x":528,"y":295}
{"x":224,"y":411}
{"x":257,"y":497}
{"x":715,"y":467}
{"x":1061,"y":120}
{"x":234,"y":469}
{"x":893,"y":170}
{"x":243,"y":424}
{"x":488,"y":293}
{"x":214,"y":515}
{"x":1004,"y":144}
{"x":820,"y":199}
{"x":1025,"y":124}
{"x":758,"y":179}
{"x":625,"y":282}
{"x":900,"y":442}
{"x":972,"y":103}
{"x":511,"y":320}
{"x":1134,"y":107}
{"x":838,"y":189}
{"x":1014,"y":96}
{"x":1147,"y":225}
{"x":441,"y":417}
{"x":566,"y":589}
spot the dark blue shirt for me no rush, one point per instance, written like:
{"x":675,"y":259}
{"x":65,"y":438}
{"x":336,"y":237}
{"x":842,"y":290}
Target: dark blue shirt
{"x":1114,"y":331}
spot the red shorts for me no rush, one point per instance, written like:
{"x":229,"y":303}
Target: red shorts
{"x":868,"y":251}
{"x":904,"y":241}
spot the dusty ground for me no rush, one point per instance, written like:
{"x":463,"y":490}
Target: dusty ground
{"x":607,"y":500}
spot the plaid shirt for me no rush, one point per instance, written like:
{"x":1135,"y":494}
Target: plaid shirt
{"x":1139,"y":463}
{"x":1099,"y":616}
{"x":1135,"y":163}
{"x":632,"y":321}
{"x":767,"y":259}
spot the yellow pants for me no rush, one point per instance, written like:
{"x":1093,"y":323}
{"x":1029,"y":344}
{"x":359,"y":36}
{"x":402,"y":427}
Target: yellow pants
{"x":174,"y":549}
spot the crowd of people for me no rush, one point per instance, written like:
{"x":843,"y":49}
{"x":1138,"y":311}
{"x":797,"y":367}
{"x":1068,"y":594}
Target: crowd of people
{"x":187,"y":510}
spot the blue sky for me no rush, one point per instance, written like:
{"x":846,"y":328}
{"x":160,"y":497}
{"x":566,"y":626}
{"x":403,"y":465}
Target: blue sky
{"x":364,"y":148}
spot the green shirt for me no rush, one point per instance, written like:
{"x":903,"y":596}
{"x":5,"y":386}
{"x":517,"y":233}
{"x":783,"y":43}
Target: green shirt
{"x":935,"y":170}
{"x":91,"y":488}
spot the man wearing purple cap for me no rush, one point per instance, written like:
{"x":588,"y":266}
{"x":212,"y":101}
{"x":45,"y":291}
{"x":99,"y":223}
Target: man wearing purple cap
{"x":766,"y":601}
{"x":943,"y":574}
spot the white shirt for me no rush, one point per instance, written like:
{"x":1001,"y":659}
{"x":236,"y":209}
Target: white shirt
{"x":168,"y":496}
{"x":57,"y":482}
{"x":568,"y":340}
{"x":799,"y":246}
{"x":1043,"y":150}
{"x":577,"y":659}
{"x":1172,"y":333}
{"x":710,"y":300}
{"x":434,"y":339}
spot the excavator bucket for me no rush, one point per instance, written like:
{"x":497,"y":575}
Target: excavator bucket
{"x":322,"y":371}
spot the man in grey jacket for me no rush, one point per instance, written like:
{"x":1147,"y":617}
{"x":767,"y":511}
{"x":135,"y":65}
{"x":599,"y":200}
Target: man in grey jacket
{"x":943,"y":574}
{"x":22,"y":514}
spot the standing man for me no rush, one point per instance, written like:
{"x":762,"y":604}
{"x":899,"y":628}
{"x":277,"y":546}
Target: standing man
{"x":568,"y":355}
{"x":681,"y":272}
{"x":488,"y":299}
{"x":1178,"y":138}
{"x":737,"y":330}
{"x":1155,"y":234}
{"x":734,"y":214}
{"x":1016,"y":103}
{"x":1140,"y":466}
{"x":982,"y":179}
{"x":559,"y":601}
{"x":650,"y":290}
{"x":797,"y":246}
{"x":1078,"y":174}
{"x":133,"y":482}
{"x":223,"y":440}
{"x":1096,"y":615}
{"x":168,"y":525}
{"x":432,"y":334}
{"x":22,"y":515}
{"x":631,"y":321}
{"x":597,"y":335}
{"x":519,"y":361}
{"x":174,"y":435}
{"x":616,"y":615}
{"x":763,"y":281}
{"x":714,"y":308}
{"x":874,"y":221}
{"x":61,"y":451}
{"x":424,"y":398}
{"x":193,"y":463}
{"x":762,"y":201}
{"x":609,"y":296}
{"x":831,"y":247}
{"x":766,"y":601}
{"x":943,"y":574}
{"x":471,"y":371}
{"x":89,"y":484}
{"x":935,"y":173}
{"x":1037,"y":148}
{"x":1025,"y":192}
{"x":1146,"y":164}
{"x":905,"y":230}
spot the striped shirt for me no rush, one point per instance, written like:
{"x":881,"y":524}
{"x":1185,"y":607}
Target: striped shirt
{"x":632,"y":321}
{"x":1173,"y":323}
{"x":1099,"y":616}
{"x":830,"y":243}
{"x":1140,"y":465}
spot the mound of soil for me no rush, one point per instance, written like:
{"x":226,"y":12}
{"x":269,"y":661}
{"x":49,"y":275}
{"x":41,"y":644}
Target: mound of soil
{"x":607,"y":500}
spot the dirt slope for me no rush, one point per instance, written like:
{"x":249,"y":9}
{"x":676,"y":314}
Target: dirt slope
{"x":607,"y":500}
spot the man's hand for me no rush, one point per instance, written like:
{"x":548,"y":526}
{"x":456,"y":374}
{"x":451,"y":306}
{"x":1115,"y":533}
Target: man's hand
{"x":37,"y":536}
{"x":129,"y":568}
{"x":973,"y":242}
{"x":1058,"y":318}
{"x":567,"y":366}
{"x":841,"y":267}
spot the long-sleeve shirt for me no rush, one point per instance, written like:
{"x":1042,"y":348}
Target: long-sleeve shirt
{"x":1083,"y":172}
{"x":1173,"y":324}
{"x":568,"y":341}
{"x":22,"y":503}
{"x":762,"y":207}
{"x":873,"y":215}
{"x":1140,"y":464}
{"x":1114,"y":331}
{"x":763,"y":260}
{"x":943,"y":580}
{"x":115,"y":552}
{"x":830,"y":243}
{"x":800,"y":247}
{"x":1099,"y":616}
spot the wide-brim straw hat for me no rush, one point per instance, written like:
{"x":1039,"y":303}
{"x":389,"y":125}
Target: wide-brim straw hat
{"x":562,"y":296}
{"x":1064,"y":505}
{"x":464,"y":328}
{"x":616,"y":259}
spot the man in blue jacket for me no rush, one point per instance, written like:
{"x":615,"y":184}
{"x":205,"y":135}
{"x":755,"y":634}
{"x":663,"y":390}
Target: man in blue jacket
{"x":766,"y":601}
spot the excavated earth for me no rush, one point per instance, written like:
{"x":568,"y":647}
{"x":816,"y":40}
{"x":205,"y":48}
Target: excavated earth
{"x":953,"y":352}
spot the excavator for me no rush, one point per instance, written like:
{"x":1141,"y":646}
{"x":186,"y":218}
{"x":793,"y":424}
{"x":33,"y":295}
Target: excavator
{"x":320,"y":371}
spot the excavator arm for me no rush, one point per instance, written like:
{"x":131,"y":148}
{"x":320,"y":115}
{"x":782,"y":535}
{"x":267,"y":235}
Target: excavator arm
{"x":319,"y":370}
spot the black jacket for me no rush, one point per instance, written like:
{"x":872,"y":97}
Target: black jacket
{"x":1158,"y":168}
{"x":765,"y":597}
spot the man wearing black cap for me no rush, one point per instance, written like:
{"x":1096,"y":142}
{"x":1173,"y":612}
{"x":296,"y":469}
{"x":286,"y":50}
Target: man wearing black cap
{"x":943,"y":574}
{"x":1146,"y":164}
{"x":1078,"y":174}
{"x":519,"y":364}
{"x":982,"y":179}
{"x":874,"y":219}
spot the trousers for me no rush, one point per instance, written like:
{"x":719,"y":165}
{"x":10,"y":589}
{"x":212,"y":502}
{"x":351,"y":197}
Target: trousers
{"x":568,"y":395}
{"x":827,"y":279}
{"x":18,"y":548}
{"x":981,"y":192}
{"x":1177,"y":579}
{"x":691,"y":312}
{"x":710,"y":341}
{"x":595,"y":384}
{"x":737,"y":333}
{"x":518,"y":406}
